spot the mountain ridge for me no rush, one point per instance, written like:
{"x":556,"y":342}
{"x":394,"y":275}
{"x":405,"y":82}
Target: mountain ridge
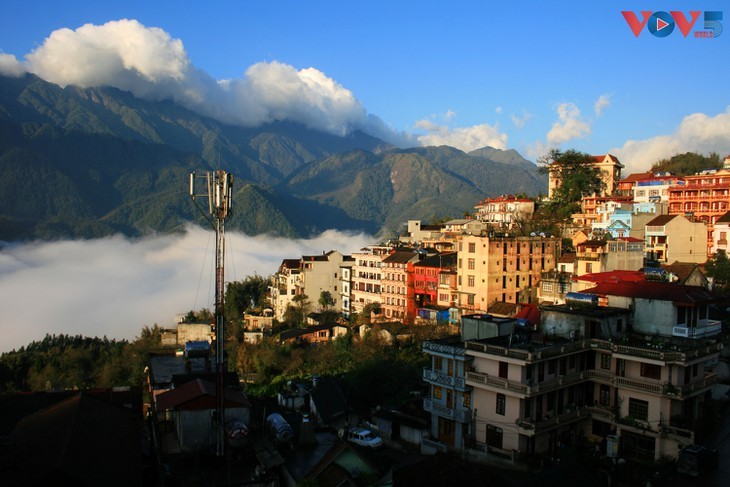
{"x":95,"y":161}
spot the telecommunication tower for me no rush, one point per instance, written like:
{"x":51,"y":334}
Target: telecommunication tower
{"x":218,"y":190}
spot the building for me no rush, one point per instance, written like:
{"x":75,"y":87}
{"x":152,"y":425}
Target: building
{"x":366,"y":277}
{"x":417,"y":233}
{"x":608,"y":164}
{"x":706,"y":196}
{"x":607,"y":255}
{"x":593,"y":209}
{"x":503,"y":211}
{"x":583,"y":373}
{"x":501,"y":268}
{"x":655,"y":189}
{"x":346,"y":285}
{"x":426,"y":277}
{"x":321,"y":274}
{"x":398,"y":295}
{"x":720,"y":232}
{"x":688,"y":239}
{"x":284,"y":286}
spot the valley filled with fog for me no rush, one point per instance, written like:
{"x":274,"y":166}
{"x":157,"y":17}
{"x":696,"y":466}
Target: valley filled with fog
{"x":115,"y":286}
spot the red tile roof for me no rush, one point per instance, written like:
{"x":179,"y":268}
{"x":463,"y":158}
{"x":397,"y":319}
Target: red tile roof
{"x":198,"y":394}
{"x":660,"y":291}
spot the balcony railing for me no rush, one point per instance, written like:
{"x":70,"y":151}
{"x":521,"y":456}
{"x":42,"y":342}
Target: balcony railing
{"x":561,"y":419}
{"x":710,"y":328}
{"x":443,"y":379}
{"x":460,"y":415}
{"x":444,"y":348}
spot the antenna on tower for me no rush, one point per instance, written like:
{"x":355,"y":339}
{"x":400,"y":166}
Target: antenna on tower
{"x":218,"y":190}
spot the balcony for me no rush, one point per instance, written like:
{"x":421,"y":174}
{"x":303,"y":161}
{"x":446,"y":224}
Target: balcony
{"x":710,"y":328}
{"x":531,"y":426}
{"x":460,"y":415}
{"x":477,"y":379}
{"x":457,"y":383}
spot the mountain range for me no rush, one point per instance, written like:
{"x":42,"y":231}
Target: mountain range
{"x":90,"y":162}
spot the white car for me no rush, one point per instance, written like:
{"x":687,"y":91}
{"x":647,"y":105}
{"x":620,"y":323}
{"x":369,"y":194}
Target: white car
{"x":364,"y":437}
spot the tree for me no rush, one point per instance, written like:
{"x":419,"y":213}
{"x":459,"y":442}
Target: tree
{"x":246,"y":295}
{"x":718,"y":268}
{"x":687,"y":163}
{"x":325,"y":300}
{"x":578,"y":175}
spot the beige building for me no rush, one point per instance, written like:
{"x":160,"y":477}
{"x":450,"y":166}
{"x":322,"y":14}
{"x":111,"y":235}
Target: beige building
{"x":284,"y":286}
{"x":610,"y":170}
{"x":366,"y":277}
{"x":688,"y":239}
{"x":584,"y":374}
{"x":594,"y":256}
{"x":503,"y":211}
{"x":503,"y":269}
{"x":321,"y":273}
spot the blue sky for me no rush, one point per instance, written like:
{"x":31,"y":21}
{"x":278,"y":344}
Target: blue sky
{"x":526,"y":75}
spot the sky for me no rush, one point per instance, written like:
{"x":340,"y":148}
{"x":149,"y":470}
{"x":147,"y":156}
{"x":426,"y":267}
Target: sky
{"x":524,"y":75}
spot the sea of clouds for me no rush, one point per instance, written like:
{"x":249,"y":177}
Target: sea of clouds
{"x":115,"y":286}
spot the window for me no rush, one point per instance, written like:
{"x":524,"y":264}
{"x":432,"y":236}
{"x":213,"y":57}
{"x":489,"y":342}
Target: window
{"x":639,"y":409}
{"x":470,"y":280}
{"x":604,"y":396}
{"x":551,"y":367}
{"x":503,"y":367}
{"x":501,"y":404}
{"x":466,"y":400}
{"x":605,"y":361}
{"x":651,"y":371}
{"x":472,"y":247}
{"x":438,"y":363}
{"x":471,"y":264}
{"x":437,"y":392}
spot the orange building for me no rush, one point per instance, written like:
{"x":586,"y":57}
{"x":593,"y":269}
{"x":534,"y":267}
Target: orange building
{"x":705,"y":196}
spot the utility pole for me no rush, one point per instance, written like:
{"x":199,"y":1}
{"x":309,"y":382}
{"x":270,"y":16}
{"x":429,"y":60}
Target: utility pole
{"x":218,"y":185}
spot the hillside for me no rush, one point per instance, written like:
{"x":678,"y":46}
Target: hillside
{"x":84,"y":163}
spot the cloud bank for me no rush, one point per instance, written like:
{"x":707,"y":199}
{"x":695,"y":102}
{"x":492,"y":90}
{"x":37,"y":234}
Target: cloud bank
{"x":115,"y":286}
{"x":464,"y":138}
{"x":149,"y":63}
{"x":696,"y":133}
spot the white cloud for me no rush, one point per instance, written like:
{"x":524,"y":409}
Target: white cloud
{"x":697,"y":132}
{"x":10,"y":66}
{"x":498,"y":110}
{"x":570,"y":125}
{"x":520,"y":121}
{"x":148,"y":62}
{"x":464,"y":138}
{"x":115,"y":286}
{"x":603,"y":102}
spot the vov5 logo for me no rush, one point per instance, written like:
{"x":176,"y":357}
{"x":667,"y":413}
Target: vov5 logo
{"x":662,"y":24}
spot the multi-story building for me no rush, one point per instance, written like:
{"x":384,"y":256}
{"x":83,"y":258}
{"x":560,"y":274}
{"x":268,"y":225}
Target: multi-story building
{"x":706,"y":196}
{"x":584,"y":374}
{"x":720,"y":232}
{"x":610,"y":168}
{"x":284,"y":286}
{"x":366,"y":276}
{"x":625,"y":187}
{"x":398,"y":296}
{"x":625,"y":253}
{"x":346,"y":284}
{"x":426,"y":273}
{"x":688,"y":239}
{"x":321,"y":273}
{"x":418,"y":233}
{"x":502,"y":211}
{"x":594,"y":208}
{"x":449,"y":399}
{"x":655,"y":189}
{"x":503,"y":269}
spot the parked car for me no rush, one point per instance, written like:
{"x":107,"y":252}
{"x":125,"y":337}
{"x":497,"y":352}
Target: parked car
{"x":364,"y":437}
